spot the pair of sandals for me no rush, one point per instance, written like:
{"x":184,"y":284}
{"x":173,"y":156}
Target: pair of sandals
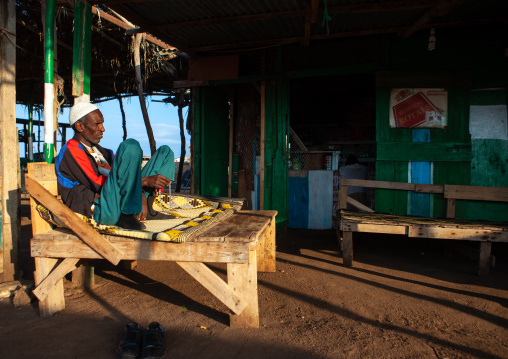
{"x":138,"y":344}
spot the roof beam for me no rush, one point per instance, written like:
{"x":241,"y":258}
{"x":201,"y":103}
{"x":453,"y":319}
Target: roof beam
{"x":124,"y":25}
{"x":138,"y":20}
{"x":440,"y":9}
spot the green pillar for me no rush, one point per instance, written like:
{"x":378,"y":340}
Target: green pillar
{"x":81,"y":51}
{"x":49,"y":58}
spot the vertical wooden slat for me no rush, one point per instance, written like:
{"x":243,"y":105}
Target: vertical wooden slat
{"x":450,"y":208}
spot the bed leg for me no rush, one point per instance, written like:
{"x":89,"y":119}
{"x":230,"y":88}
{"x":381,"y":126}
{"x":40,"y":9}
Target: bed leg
{"x":129,"y":265}
{"x":243,"y":279}
{"x":347,"y":248}
{"x":55,"y":300}
{"x":83,"y":276}
{"x":484,"y":259}
{"x":266,"y":250}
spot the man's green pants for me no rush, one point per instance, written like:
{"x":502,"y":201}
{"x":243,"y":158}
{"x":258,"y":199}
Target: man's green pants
{"x":122,"y":191}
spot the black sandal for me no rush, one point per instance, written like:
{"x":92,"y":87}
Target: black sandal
{"x":153,"y":342}
{"x":130,"y":345}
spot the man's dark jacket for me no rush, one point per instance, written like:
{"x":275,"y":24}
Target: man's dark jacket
{"x":78,"y":176}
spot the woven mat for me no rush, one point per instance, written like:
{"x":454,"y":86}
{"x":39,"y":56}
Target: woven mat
{"x":191,"y":215}
{"x":380,"y":218}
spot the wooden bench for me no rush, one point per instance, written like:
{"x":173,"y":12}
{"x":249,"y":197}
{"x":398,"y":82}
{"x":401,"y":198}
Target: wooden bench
{"x":245,"y":242}
{"x":422,"y":227}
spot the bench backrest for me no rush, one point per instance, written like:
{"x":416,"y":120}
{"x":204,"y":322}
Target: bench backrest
{"x":44,"y":174}
{"x":450,"y":192}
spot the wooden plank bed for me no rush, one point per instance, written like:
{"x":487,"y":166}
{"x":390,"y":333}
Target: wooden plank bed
{"x":422,"y":227}
{"x":245,"y":242}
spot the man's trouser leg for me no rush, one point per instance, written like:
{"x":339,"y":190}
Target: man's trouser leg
{"x":122,"y":191}
{"x":162,"y":162}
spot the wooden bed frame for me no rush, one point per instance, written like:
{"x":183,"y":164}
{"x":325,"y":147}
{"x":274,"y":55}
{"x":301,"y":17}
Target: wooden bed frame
{"x":484,"y":232}
{"x":245,"y":241}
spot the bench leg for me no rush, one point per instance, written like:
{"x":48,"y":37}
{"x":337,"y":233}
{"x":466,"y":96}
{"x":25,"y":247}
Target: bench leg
{"x":243,"y":279}
{"x":484,"y":260}
{"x":266,"y":250}
{"x":129,"y":265}
{"x":347,"y":248}
{"x":55,"y":300}
{"x":83,"y":276}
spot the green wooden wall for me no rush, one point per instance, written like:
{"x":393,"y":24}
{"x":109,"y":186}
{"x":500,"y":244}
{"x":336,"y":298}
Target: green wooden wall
{"x":489,"y":162}
{"x":210,"y":141}
{"x":465,"y":62}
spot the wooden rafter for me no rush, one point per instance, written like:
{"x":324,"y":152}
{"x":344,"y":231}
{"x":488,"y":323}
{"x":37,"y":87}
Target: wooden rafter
{"x":439,"y":9}
{"x":124,"y":25}
{"x":135,"y":18}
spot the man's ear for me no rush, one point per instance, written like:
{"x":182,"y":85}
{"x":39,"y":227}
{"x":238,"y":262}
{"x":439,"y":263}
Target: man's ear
{"x":79,"y":126}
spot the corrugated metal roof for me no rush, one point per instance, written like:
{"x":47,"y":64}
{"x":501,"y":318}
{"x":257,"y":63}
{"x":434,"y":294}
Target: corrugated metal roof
{"x":227,"y":25}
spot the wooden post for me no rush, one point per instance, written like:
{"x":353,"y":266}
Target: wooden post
{"x":262,"y":146}
{"x":484,"y":259}
{"x":54,"y":301}
{"x":347,"y":248}
{"x":9,"y":149}
{"x":266,"y":250}
{"x":243,"y":279}
{"x":231,"y":134}
{"x":83,"y":276}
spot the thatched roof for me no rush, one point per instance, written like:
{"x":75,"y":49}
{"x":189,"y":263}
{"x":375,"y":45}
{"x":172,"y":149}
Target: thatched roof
{"x":112,"y":72}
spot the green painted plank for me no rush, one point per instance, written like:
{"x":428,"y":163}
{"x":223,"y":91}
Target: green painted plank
{"x":458,"y":173}
{"x":411,"y":151}
{"x":391,"y":201}
{"x":489,"y":167}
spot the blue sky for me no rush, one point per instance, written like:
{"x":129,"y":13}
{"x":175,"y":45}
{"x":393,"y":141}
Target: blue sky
{"x":163,"y":117}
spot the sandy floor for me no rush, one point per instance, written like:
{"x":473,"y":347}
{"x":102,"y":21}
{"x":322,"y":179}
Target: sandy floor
{"x":402,"y":299}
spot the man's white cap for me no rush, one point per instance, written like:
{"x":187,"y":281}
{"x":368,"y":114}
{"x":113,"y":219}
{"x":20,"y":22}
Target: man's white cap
{"x":80,"y":110}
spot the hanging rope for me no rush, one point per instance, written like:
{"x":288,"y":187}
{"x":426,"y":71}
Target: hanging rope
{"x":326,"y":19}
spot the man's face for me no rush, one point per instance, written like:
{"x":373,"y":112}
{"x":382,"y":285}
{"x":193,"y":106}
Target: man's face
{"x":93,"y":128}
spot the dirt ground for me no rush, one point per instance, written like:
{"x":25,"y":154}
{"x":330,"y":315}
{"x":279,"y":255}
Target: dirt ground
{"x":404,"y":298}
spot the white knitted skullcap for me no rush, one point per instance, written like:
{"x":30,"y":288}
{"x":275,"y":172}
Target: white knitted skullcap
{"x":80,"y":110}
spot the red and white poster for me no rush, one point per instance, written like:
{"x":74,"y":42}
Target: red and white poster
{"x":418,"y":108}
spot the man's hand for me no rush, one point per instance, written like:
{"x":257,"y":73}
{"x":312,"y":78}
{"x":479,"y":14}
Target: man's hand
{"x":142,"y":215}
{"x":157,"y":181}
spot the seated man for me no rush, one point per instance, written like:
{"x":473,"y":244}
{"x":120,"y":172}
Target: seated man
{"x":108,"y":188}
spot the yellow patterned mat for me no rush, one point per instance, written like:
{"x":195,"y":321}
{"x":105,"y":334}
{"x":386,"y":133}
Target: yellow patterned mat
{"x":191,"y":214}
